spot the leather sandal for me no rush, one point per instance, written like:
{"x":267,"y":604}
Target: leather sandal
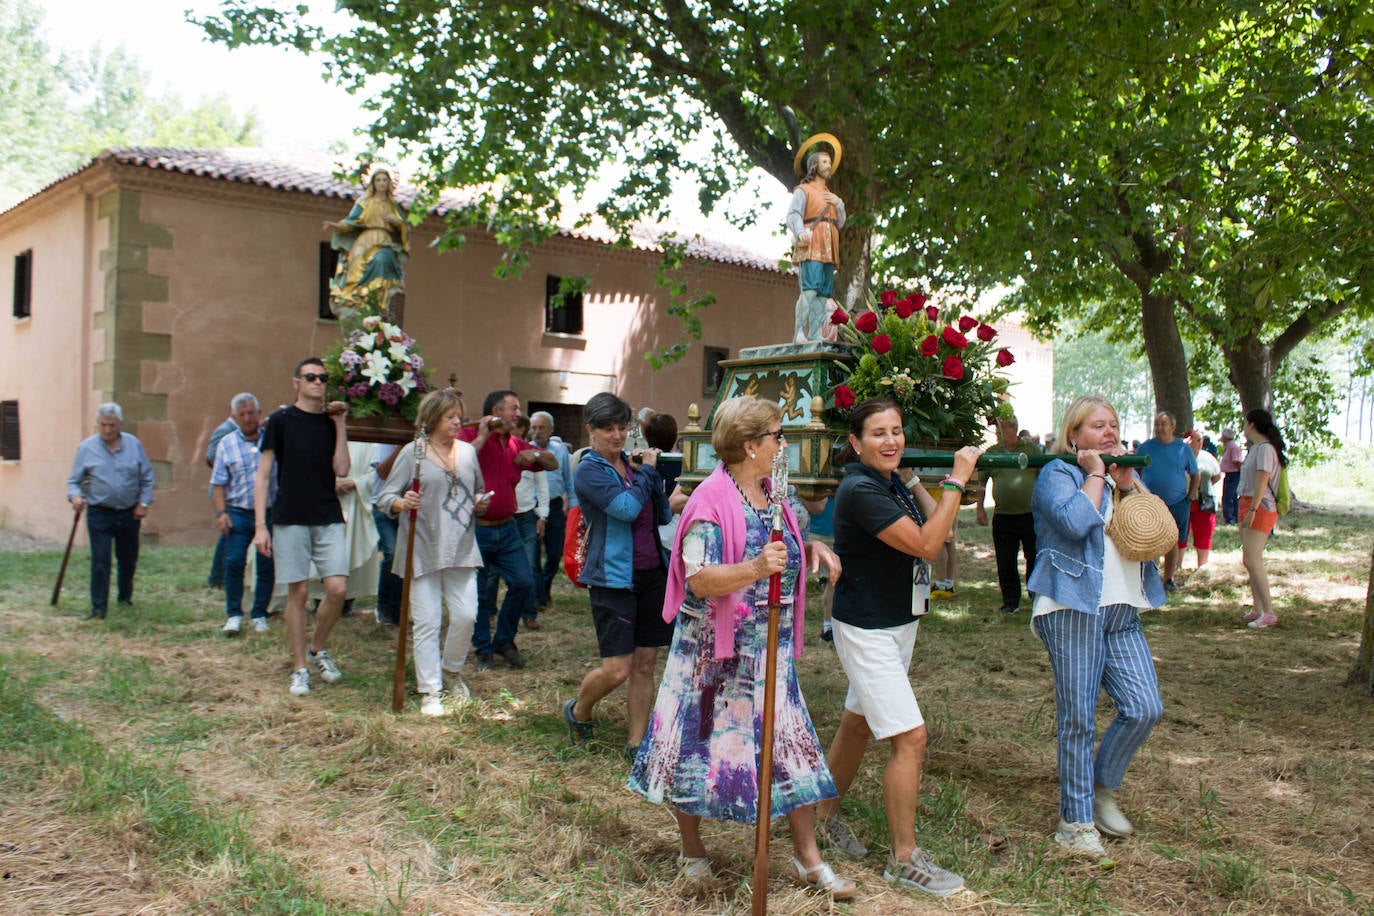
{"x":823,"y":880}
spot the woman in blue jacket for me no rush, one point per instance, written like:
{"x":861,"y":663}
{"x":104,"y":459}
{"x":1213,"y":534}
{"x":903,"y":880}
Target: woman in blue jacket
{"x":1086,"y":612}
{"x":626,"y":569}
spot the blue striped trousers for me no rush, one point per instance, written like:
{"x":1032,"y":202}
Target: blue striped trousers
{"x":1106,"y":650}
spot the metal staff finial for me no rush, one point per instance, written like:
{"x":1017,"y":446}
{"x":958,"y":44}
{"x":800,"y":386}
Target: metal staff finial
{"x":779,"y":473}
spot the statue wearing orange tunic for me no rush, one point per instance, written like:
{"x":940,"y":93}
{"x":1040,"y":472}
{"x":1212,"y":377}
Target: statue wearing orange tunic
{"x":814,"y":219}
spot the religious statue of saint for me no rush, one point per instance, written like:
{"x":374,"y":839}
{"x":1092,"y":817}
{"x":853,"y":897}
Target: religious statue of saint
{"x":814,"y":220}
{"x":372,"y":241}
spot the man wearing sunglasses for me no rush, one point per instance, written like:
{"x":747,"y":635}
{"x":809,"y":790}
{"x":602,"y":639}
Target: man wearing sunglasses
{"x":306,"y":444}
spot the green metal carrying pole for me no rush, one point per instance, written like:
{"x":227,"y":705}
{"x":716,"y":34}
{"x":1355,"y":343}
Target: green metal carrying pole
{"x":918,"y":458}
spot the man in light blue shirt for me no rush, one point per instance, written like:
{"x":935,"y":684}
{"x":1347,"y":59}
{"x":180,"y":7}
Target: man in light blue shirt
{"x":561,"y":498}
{"x":112,"y":479}
{"x":1173,"y":477}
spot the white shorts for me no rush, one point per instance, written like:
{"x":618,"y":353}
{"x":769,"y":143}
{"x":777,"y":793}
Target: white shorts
{"x":296,"y":547}
{"x":876,"y":663}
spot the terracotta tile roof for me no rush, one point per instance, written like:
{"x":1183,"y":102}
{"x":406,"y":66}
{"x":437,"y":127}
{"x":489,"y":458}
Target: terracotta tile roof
{"x":247,"y":165}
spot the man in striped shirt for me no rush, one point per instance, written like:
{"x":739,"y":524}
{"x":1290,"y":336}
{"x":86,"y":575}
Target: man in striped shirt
{"x":236,"y":470}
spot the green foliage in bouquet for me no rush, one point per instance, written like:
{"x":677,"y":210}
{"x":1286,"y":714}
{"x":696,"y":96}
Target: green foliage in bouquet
{"x":377,"y":368}
{"x":943,"y":372}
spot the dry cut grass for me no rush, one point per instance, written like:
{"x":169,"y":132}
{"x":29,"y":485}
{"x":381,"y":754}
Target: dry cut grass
{"x":1254,"y":795}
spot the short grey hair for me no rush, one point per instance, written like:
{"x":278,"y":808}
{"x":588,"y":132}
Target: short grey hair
{"x":603,"y":409}
{"x":542,"y":414}
{"x":646,"y":414}
{"x":110,"y":409}
{"x":243,"y":397}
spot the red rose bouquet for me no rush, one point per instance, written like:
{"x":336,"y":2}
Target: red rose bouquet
{"x":947,"y":381}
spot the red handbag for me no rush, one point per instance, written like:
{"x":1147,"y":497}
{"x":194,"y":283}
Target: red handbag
{"x":575,"y":546}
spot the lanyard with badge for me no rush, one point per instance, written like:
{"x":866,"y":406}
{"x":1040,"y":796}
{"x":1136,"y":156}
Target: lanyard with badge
{"x":920,"y":574}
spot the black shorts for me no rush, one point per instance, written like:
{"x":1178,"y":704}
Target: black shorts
{"x":631,"y":618}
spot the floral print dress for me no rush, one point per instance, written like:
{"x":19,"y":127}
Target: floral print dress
{"x":701,"y":752}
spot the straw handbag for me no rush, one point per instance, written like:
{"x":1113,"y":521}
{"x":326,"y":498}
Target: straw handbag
{"x":1141,"y":526}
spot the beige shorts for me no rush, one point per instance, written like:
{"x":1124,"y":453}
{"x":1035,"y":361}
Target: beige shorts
{"x":296,"y":547}
{"x":876,"y":663}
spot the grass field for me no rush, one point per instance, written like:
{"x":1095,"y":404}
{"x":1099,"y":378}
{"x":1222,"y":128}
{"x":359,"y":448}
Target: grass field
{"x":152,"y":766}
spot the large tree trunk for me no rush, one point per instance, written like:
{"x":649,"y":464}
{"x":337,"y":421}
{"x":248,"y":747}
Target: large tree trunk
{"x":1362,"y":675}
{"x":1168,"y":362}
{"x":1250,"y":366}
{"x":859,"y":189}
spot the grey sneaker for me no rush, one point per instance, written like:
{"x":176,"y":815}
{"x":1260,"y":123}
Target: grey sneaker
{"x":259,"y":624}
{"x":579,"y":730}
{"x":300,"y":682}
{"x":458,"y":688}
{"x":233,"y":625}
{"x":921,"y":874}
{"x":836,"y":834}
{"x":1080,"y":840}
{"x":325,"y":665}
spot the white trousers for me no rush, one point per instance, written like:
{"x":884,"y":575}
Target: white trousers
{"x":456,"y":587}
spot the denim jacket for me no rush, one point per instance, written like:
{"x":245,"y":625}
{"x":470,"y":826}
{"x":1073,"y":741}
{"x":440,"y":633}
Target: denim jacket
{"x":610,"y":510}
{"x":1069,"y":548}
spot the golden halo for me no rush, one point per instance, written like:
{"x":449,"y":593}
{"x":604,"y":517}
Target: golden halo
{"x":814,"y":140}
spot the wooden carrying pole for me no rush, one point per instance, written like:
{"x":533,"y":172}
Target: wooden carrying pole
{"x":398,"y":671}
{"x":763,"y":819}
{"x":62,"y":573}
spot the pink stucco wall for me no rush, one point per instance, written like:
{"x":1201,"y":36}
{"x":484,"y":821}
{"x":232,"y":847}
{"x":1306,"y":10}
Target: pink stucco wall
{"x":241,"y":309}
{"x":46,"y":359}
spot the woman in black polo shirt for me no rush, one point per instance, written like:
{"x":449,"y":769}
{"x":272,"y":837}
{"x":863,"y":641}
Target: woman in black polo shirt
{"x":885,"y":535}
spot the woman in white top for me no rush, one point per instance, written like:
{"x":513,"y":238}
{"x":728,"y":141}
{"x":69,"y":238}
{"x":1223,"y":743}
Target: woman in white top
{"x":451,"y":496}
{"x":1087,"y":607}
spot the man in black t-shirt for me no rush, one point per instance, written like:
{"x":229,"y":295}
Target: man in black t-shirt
{"x":306,"y":444}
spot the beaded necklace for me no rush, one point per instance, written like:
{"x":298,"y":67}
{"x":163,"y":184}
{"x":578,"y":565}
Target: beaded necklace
{"x":450,"y":468}
{"x":766,"y":513}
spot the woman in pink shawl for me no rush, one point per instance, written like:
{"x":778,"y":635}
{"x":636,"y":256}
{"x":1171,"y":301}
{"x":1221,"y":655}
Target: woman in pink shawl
{"x":701,"y":752}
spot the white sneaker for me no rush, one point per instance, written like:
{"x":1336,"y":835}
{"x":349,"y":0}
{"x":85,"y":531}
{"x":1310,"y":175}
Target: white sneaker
{"x":300,"y":682}
{"x":1108,"y":817}
{"x":432,"y":704}
{"x":233,"y":625}
{"x":259,"y":624}
{"x":1080,"y":839}
{"x":325,"y":665}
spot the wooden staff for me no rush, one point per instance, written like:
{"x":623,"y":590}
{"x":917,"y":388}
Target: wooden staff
{"x":62,"y":573}
{"x":763,"y":820}
{"x":398,"y":671}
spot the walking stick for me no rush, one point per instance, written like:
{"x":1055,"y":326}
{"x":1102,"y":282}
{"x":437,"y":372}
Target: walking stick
{"x":398,"y":671}
{"x":763,"y":820}
{"x":62,"y":573}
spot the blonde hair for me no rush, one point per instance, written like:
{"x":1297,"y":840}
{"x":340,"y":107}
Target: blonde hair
{"x":737,"y":421}
{"x":1074,"y":417}
{"x":435,"y":405}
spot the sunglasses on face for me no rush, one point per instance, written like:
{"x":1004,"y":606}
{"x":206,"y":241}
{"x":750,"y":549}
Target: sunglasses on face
{"x":313,"y":377}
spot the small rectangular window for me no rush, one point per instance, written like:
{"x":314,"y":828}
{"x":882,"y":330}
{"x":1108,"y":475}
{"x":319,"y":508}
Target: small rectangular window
{"x":23,"y":283}
{"x":562,"y":306}
{"x":329,"y":262}
{"x":710,"y":369}
{"x":9,"y":430}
